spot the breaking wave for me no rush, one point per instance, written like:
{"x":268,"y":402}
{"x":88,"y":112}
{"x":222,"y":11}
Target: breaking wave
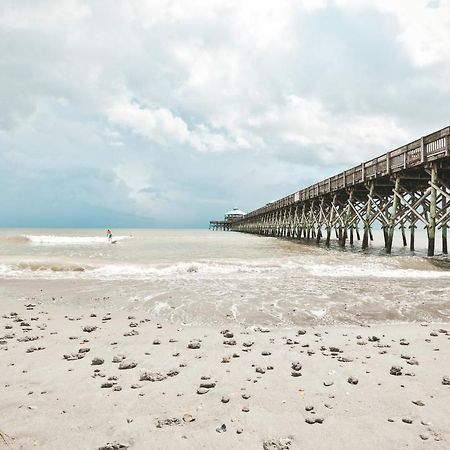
{"x":394,"y":269}
{"x":69,"y":240}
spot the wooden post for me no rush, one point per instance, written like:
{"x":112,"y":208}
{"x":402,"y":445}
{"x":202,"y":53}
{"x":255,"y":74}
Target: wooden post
{"x":351,"y":234}
{"x":347,"y":213}
{"x":444,"y":225}
{"x":365,"y":242}
{"x":411,"y":238}
{"x":391,"y":229}
{"x":432,"y":213}
{"x":330,"y":220}
{"x":405,"y":243}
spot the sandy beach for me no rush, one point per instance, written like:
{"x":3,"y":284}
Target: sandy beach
{"x":108,"y":378}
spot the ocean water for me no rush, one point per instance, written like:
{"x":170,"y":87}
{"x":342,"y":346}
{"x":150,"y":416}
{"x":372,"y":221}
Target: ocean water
{"x":206,"y":276}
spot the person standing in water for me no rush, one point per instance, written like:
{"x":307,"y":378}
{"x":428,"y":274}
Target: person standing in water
{"x":109,"y":234}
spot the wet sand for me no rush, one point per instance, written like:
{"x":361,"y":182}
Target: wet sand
{"x":100,"y":377}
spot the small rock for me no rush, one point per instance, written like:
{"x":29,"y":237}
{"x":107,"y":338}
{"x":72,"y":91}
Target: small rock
{"x":114,"y":446}
{"x":89,"y":328}
{"x":188,"y":418}
{"x":202,"y":391}
{"x":396,"y":370}
{"x":407,"y":420}
{"x":168,"y":422}
{"x":97,"y":361}
{"x":446,"y":381}
{"x":118,"y":358}
{"x":221,"y":428}
{"x":127,"y":365}
{"x":225,"y":399}
{"x":277,"y":444}
{"x":194,"y":345}
{"x":152,"y":376}
{"x":352,"y":380}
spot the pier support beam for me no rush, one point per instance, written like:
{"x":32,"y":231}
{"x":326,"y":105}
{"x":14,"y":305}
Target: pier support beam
{"x":391,"y":229}
{"x":330,"y":222}
{"x":367,"y":231}
{"x":432,"y":212}
{"x":444,"y":225}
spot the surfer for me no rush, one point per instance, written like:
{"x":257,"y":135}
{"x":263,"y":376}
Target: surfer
{"x":109,"y":234}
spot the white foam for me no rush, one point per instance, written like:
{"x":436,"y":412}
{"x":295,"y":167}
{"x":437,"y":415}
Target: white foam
{"x":371,"y":271}
{"x":70,"y":240}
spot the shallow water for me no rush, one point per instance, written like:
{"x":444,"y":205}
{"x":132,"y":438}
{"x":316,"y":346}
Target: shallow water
{"x":204,"y":276}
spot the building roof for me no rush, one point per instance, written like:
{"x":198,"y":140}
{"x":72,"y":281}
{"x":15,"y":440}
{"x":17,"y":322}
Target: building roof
{"x":235,"y":211}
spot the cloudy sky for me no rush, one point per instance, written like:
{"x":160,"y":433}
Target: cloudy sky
{"x":164,"y":113}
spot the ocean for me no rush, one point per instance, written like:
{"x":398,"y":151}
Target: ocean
{"x":202,"y":276}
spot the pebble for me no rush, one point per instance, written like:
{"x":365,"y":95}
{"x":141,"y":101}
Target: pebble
{"x":127,"y":365}
{"x":277,"y":444}
{"x":118,"y":358}
{"x":407,"y":420}
{"x":446,"y":381}
{"x":97,"y":361}
{"x":152,"y":376}
{"x":202,"y":391}
{"x":396,"y":370}
{"x":225,"y":399}
{"x":194,"y":345}
{"x":352,"y":380}
{"x":245,"y":409}
{"x":113,"y":446}
{"x":328,"y":383}
{"x":221,"y":428}
{"x":188,"y":418}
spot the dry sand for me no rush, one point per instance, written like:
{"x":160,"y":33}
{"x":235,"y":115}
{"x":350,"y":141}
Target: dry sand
{"x":73,"y":378}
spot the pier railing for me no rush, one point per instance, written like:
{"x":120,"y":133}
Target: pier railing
{"x":418,"y":152}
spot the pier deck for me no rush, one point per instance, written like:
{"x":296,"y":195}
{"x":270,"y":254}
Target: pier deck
{"x":401,"y":189}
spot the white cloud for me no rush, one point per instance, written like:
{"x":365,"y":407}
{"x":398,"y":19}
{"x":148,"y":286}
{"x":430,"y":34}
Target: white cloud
{"x":423,"y":26}
{"x":163,"y":127}
{"x":336,"y":138}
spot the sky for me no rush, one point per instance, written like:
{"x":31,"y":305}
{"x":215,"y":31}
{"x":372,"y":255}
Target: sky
{"x":168,"y":113}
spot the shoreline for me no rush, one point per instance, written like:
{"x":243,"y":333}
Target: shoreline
{"x":277,"y":373}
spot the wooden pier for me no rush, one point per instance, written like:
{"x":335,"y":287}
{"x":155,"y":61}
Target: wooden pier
{"x":219,"y":225}
{"x":403,"y":189}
